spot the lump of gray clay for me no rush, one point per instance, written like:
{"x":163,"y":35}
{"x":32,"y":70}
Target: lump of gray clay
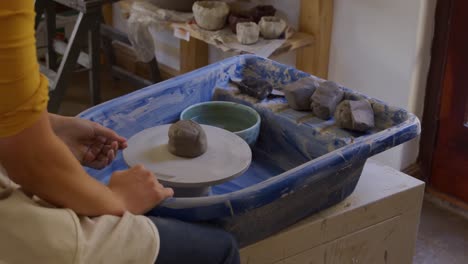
{"x":187,"y":139}
{"x":254,"y":87}
{"x":325,"y":99}
{"x":355,"y":115}
{"x":299,"y":93}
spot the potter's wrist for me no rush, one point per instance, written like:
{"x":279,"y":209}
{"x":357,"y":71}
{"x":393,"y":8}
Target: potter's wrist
{"x":57,"y":122}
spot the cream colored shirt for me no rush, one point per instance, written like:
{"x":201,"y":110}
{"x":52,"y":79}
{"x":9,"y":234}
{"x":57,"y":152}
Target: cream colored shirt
{"x":32,"y":231}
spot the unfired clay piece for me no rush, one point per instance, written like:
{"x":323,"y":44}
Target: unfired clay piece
{"x":254,"y":87}
{"x":272,"y":27}
{"x":247,"y":33}
{"x":299,"y":93}
{"x":325,"y":99}
{"x":210,"y":15}
{"x":187,"y":139}
{"x":355,"y":115}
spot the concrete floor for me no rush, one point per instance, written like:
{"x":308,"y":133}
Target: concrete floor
{"x":442,"y":237}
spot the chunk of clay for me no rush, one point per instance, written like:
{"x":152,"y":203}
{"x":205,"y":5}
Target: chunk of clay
{"x":325,"y":99}
{"x":272,"y":27}
{"x":299,"y":93}
{"x":247,"y":33}
{"x":355,"y":115}
{"x":256,"y":88}
{"x":187,"y":139}
{"x":210,"y":15}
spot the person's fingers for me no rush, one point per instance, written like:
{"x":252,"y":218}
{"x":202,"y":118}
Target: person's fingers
{"x":96,"y":148}
{"x":108,"y":133}
{"x":100,"y":139}
{"x":110,"y":156}
{"x":167,"y":192}
{"x":106,"y":149}
{"x":123,"y":145}
{"x":159,"y":185}
{"x":115,"y":146}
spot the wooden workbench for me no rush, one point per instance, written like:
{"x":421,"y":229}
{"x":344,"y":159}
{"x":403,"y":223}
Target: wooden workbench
{"x":376,"y":224}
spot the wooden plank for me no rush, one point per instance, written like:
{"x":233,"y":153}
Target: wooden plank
{"x":450,"y":161}
{"x":167,"y":72}
{"x":193,"y":55}
{"x":297,"y":41}
{"x":316,"y":18}
{"x":107,"y":14}
{"x":430,"y":120}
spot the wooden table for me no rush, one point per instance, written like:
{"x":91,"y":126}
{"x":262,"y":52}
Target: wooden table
{"x":377,"y":224}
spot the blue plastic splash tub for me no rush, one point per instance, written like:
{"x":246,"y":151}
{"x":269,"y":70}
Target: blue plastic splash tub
{"x":301,"y":164}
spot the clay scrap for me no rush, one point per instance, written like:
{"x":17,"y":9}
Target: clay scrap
{"x":187,"y":139}
{"x":325,"y":99}
{"x":299,"y":93}
{"x":355,"y":115}
{"x":256,"y":88}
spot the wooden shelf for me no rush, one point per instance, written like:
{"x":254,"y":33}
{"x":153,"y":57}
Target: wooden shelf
{"x":297,"y":41}
{"x":312,"y":42}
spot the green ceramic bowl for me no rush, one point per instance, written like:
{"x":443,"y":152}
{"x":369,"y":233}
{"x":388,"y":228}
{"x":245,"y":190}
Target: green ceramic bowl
{"x":242,"y":120}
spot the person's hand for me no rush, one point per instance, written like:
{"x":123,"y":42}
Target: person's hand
{"x":93,"y":145}
{"x":138,"y":189}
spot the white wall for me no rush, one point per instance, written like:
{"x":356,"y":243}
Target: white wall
{"x":382,"y":48}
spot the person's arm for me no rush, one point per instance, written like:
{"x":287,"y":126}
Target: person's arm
{"x":41,"y":163}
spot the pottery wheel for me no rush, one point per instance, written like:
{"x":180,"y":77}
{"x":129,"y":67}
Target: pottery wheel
{"x":227,"y":157}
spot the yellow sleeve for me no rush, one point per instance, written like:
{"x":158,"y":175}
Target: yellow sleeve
{"x":23,"y":89}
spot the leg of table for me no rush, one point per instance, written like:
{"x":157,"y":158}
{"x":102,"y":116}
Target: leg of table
{"x":94,"y":46}
{"x":155,"y":74}
{"x":50,"y":29}
{"x":193,"y":55}
{"x":68,"y":62}
{"x":39,"y":7}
